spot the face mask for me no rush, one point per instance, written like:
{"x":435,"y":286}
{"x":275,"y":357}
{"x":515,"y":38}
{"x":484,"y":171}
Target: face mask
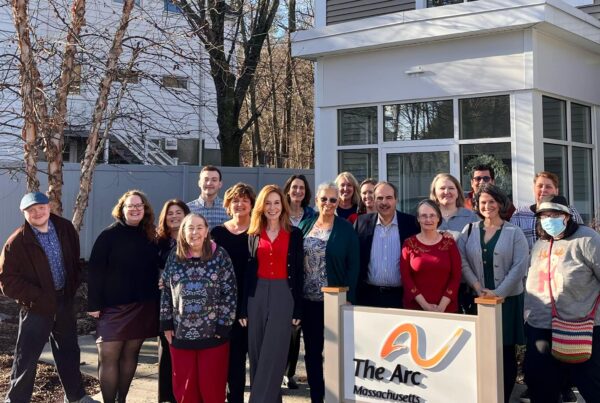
{"x":553,"y":226}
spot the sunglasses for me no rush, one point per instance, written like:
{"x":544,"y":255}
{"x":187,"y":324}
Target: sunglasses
{"x":482,"y":178}
{"x":331,"y":200}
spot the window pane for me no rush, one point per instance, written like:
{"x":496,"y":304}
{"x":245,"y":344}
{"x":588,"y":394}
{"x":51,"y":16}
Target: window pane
{"x":581,"y":124}
{"x":169,"y":6}
{"x":357,"y":126}
{"x":583,"y":183}
{"x":555,"y":118}
{"x":497,"y":155}
{"x":485,"y":117}
{"x":438,"y":3}
{"x":418,"y":121}
{"x":556,"y":161}
{"x":361,"y":163}
{"x":412,"y":174}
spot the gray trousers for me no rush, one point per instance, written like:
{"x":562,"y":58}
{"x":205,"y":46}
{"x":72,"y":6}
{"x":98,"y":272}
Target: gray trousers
{"x":34,"y":332}
{"x":269,"y":331}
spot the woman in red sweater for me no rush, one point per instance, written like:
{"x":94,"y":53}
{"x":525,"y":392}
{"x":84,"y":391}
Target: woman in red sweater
{"x":430,"y":264}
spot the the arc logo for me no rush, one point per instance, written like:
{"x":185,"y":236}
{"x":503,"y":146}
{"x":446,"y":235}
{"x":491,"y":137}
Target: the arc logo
{"x":391,"y":345}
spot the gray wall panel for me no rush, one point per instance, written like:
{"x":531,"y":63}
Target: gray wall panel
{"x":160,"y":183}
{"x":348,"y":10}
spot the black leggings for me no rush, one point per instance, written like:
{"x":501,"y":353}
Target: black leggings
{"x":117,"y":362}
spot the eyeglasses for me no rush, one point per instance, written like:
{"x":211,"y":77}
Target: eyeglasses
{"x":482,"y":178}
{"x":134,"y":206}
{"x":331,"y":200}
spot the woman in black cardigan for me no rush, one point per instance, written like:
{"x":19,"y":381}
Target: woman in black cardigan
{"x":273,"y":289}
{"x":123,"y":292}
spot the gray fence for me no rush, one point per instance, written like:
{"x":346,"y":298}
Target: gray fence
{"x":160,"y":183}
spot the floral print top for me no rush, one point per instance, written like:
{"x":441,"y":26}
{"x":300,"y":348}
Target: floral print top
{"x":315,"y":270}
{"x":198,"y":300}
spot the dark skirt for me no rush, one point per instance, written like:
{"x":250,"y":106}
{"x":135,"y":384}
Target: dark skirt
{"x":138,"y":320}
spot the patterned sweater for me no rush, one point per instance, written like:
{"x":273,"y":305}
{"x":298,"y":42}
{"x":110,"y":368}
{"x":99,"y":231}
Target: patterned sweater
{"x":198,"y":301}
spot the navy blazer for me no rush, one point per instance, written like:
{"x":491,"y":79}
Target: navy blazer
{"x":365,"y":227}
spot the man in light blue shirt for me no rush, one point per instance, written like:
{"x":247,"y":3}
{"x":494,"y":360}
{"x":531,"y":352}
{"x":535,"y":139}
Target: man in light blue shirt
{"x":209,"y":204}
{"x":380,"y":237}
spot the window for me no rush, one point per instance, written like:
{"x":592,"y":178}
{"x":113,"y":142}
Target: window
{"x":581,"y":123}
{"x":129,"y":76}
{"x":438,"y":3}
{"x":568,"y":151}
{"x":555,"y":118}
{"x":362,"y":163}
{"x":357,"y":126}
{"x":556,"y":160}
{"x":484,"y":117}
{"x":175,"y":82}
{"x":170,"y":7}
{"x":412,"y":174}
{"x":418,"y":121}
{"x":75,"y":87}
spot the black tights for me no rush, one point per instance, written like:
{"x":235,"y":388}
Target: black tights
{"x":117,"y":362}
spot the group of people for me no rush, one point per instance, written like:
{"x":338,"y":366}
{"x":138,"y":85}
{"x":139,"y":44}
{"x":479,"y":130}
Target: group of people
{"x":223,"y":279}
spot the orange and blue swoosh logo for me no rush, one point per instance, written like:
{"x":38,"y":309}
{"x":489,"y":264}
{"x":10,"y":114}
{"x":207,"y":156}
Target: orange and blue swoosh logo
{"x":390,"y":345}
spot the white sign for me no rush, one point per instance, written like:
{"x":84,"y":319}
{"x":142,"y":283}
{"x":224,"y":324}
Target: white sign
{"x":408,"y":356}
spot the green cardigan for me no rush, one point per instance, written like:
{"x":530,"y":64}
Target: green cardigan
{"x":341,"y":254}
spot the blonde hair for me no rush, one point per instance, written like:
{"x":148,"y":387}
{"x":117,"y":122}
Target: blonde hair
{"x":258,"y":221}
{"x":147,"y":222}
{"x":460,"y":199}
{"x":350,"y":178}
{"x":184,"y":248}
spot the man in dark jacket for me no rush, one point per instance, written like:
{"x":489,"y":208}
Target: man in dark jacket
{"x":380,"y":237}
{"x":39,"y":269}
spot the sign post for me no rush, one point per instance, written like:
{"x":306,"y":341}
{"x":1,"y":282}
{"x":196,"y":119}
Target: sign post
{"x":384,"y":354}
{"x":335,"y":298}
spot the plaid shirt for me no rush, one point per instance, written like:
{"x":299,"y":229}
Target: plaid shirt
{"x":51,"y":246}
{"x":215,"y":215}
{"x":525,"y":219}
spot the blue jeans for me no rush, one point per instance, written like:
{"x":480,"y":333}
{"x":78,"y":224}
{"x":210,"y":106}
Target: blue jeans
{"x":34,"y":331}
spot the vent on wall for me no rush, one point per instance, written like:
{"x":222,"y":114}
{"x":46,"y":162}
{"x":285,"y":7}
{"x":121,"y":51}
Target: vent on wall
{"x":171,"y":144}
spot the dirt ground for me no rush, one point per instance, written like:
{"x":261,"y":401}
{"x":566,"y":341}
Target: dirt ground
{"x":47,"y":384}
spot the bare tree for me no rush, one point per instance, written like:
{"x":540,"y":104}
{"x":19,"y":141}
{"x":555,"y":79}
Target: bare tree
{"x":217,"y":23}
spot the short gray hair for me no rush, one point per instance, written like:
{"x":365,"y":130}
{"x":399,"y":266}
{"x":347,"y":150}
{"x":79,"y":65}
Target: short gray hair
{"x":326,"y":186}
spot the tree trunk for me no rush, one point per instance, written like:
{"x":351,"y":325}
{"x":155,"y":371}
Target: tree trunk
{"x":35,"y":112}
{"x":91,"y":151}
{"x":257,"y":150}
{"x":54,"y":143}
{"x":289,"y":82}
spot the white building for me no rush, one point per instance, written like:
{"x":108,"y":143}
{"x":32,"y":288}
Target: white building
{"x":403,"y":91}
{"x":167,"y":117}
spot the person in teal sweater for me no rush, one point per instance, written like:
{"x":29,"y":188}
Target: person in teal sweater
{"x":331,"y":258}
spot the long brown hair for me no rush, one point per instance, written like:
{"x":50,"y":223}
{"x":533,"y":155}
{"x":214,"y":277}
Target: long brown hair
{"x":183,"y":247}
{"x":162,"y":230}
{"x":147,"y":222}
{"x":258,"y":221}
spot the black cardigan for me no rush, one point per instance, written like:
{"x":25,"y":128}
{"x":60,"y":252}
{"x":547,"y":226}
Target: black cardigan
{"x":295,"y":269}
{"x":123,"y":268}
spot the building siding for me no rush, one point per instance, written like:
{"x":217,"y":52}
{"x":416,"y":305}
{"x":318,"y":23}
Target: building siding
{"x":348,"y":10}
{"x":592,"y":9}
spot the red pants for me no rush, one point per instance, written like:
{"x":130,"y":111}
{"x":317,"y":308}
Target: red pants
{"x":200,"y":376}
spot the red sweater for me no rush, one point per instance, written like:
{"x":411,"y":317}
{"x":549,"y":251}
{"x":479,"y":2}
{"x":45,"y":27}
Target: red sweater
{"x":431,"y":270}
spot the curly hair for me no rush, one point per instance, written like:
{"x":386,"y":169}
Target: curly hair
{"x":147,"y":222}
{"x":240,"y":189}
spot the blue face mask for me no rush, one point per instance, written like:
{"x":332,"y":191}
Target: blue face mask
{"x":554,"y":226}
